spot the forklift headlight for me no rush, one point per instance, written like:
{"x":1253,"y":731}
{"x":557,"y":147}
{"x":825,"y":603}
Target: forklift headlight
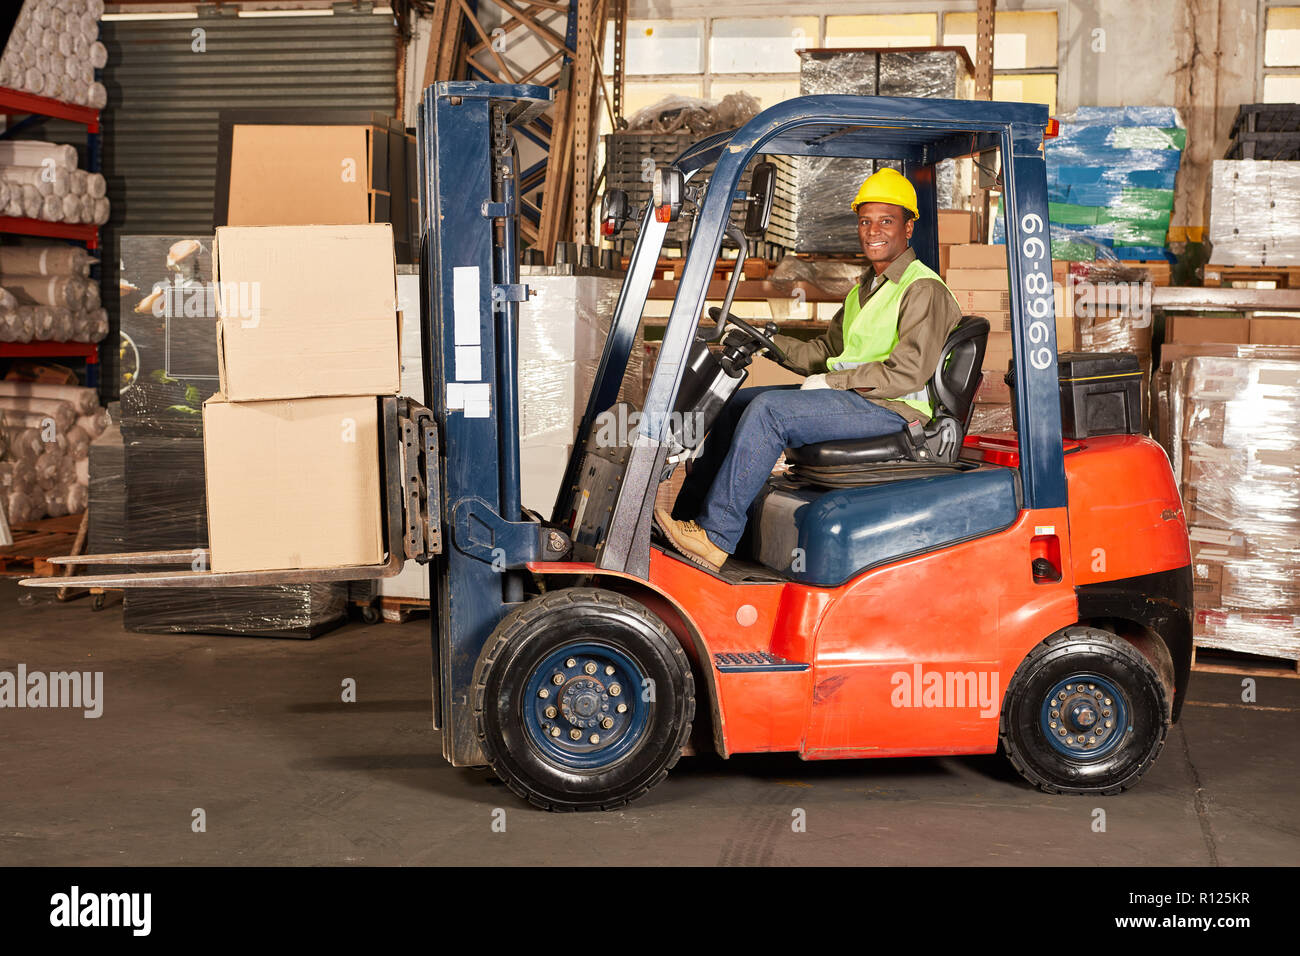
{"x":666,"y":190}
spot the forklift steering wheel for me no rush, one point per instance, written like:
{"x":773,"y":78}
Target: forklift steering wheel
{"x":774,"y":349}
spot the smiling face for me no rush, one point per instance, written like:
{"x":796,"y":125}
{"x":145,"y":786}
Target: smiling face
{"x":884,"y":230}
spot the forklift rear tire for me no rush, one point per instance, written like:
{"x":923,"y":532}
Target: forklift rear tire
{"x":583,"y":700}
{"x":1085,"y":713}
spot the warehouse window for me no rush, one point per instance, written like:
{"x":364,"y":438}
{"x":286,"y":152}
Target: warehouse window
{"x":659,"y":47}
{"x":1024,"y":53}
{"x":1281,"y":61}
{"x":760,"y":45}
{"x":875,"y":30}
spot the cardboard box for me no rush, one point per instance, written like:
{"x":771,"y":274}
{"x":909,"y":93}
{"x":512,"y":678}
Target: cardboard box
{"x":306,"y":311}
{"x":956,"y":226}
{"x":976,"y":256}
{"x":999,"y":320}
{"x":293,"y":484}
{"x":763,"y":371}
{"x":1275,"y":331}
{"x":301,"y":175}
{"x":1194,"y":330}
{"x":978,"y":279}
{"x":977,"y":302}
{"x":944,"y":250}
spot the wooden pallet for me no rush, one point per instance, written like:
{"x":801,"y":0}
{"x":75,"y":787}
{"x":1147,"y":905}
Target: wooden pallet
{"x":1283,"y":277}
{"x":37,"y":541}
{"x":398,"y":610}
{"x":1214,"y":660}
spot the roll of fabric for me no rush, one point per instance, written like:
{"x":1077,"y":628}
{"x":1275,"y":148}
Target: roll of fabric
{"x":98,"y":55}
{"x":51,"y":209}
{"x":32,"y":412}
{"x":101,"y":211}
{"x":70,"y":207}
{"x":47,"y":260}
{"x":31,"y":152}
{"x":23,"y":443}
{"x":84,"y":400}
{"x":96,"y":185}
{"x":31,"y":200}
{"x":79,"y":181}
{"x":65,"y":291}
{"x":15,"y":327}
{"x":8,"y":301}
{"x":95,"y":423}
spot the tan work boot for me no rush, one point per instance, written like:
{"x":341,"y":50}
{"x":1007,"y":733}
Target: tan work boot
{"x":691,"y":540}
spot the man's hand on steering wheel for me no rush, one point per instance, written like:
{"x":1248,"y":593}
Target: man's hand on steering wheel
{"x":764,"y":338}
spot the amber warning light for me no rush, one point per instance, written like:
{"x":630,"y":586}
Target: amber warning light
{"x":1053,"y":128}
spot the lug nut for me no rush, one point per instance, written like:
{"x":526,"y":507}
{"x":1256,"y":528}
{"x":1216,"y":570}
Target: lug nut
{"x":543,"y":693}
{"x":557,"y":679}
{"x":615,"y":690}
{"x":609,"y":670}
{"x":1105,"y":713}
{"x":607,"y":723}
{"x":550,"y":711}
{"x":575,"y":733}
{"x":622,"y":708}
{"x":1110,"y":723}
{"x":1053,"y":723}
{"x":570,"y":663}
{"x":555,"y":731}
{"x":595,"y":738}
{"x":1056,"y":713}
{"x":1061,"y":731}
{"x":589,"y":667}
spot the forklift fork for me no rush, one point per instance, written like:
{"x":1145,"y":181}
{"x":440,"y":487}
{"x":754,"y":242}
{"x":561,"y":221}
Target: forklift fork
{"x":412,"y":527}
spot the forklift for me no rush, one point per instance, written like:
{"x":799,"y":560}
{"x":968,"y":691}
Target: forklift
{"x":928,"y":593}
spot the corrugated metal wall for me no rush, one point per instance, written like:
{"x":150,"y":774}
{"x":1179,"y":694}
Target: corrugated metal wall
{"x":169,"y":79}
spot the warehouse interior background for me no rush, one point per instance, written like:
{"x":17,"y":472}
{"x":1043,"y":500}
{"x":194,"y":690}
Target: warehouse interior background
{"x":135,"y":132}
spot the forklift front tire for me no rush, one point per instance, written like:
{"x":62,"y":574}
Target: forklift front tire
{"x":1085,"y":713}
{"x":583,"y":700}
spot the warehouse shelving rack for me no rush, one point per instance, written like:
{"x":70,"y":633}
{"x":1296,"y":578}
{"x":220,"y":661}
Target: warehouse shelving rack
{"x":22,"y":110}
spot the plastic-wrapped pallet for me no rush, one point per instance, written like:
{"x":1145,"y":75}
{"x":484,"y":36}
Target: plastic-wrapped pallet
{"x":823,"y":221}
{"x":1235,"y":425}
{"x":1110,"y":182}
{"x":54,"y":51}
{"x":562,"y":330}
{"x":1255,"y":213}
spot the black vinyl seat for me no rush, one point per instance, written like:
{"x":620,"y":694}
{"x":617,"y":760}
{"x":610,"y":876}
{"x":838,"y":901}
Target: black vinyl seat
{"x":952,"y":395}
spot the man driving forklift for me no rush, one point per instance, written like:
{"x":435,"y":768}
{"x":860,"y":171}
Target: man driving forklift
{"x":867,"y":376}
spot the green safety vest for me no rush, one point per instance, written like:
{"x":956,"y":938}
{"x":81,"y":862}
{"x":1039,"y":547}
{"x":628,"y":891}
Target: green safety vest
{"x":871,"y":330}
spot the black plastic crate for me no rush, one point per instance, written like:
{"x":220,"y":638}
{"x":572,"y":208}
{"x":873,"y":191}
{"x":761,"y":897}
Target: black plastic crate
{"x":630,"y":158}
{"x":1101,"y":394}
{"x":1271,"y":146}
{"x":1266,"y":118}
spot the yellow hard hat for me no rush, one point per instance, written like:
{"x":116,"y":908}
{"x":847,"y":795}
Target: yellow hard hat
{"x":888,"y":185}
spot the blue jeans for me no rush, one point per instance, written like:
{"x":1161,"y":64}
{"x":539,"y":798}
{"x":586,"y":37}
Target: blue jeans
{"x":750,"y":434}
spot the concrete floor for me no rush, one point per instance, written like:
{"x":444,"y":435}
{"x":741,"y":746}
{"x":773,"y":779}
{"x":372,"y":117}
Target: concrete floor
{"x":254,"y":732}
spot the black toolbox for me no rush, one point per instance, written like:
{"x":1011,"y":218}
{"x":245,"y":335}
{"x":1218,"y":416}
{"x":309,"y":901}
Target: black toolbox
{"x":1101,"y":394}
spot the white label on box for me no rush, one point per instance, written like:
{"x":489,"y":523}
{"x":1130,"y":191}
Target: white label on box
{"x":464,"y":300}
{"x":469,"y":363}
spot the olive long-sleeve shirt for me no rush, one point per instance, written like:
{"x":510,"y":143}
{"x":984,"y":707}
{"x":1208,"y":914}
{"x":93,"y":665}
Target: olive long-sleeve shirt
{"x":926,"y":314}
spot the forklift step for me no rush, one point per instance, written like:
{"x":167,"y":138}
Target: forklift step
{"x":748,"y":662}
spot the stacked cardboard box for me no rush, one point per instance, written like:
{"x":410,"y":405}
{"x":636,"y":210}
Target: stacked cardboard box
{"x":978,"y":277}
{"x":1235,"y":422}
{"x":307,"y":344}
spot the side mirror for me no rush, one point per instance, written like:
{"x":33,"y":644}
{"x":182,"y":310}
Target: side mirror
{"x":666,"y":190}
{"x":615,"y":210}
{"x":762,"y":184}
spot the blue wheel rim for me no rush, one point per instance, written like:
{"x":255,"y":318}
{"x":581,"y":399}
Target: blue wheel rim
{"x":1085,"y":716}
{"x":604,"y":706}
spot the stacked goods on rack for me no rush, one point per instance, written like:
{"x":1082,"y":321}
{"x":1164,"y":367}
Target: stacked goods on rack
{"x":54,"y":51}
{"x":1234,"y":425}
{"x":45,"y":434}
{"x":824,"y":186}
{"x":1110,"y":182}
{"x":1111,"y":305}
{"x":41,"y":180}
{"x":1255,"y":213}
{"x":47,"y":295}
